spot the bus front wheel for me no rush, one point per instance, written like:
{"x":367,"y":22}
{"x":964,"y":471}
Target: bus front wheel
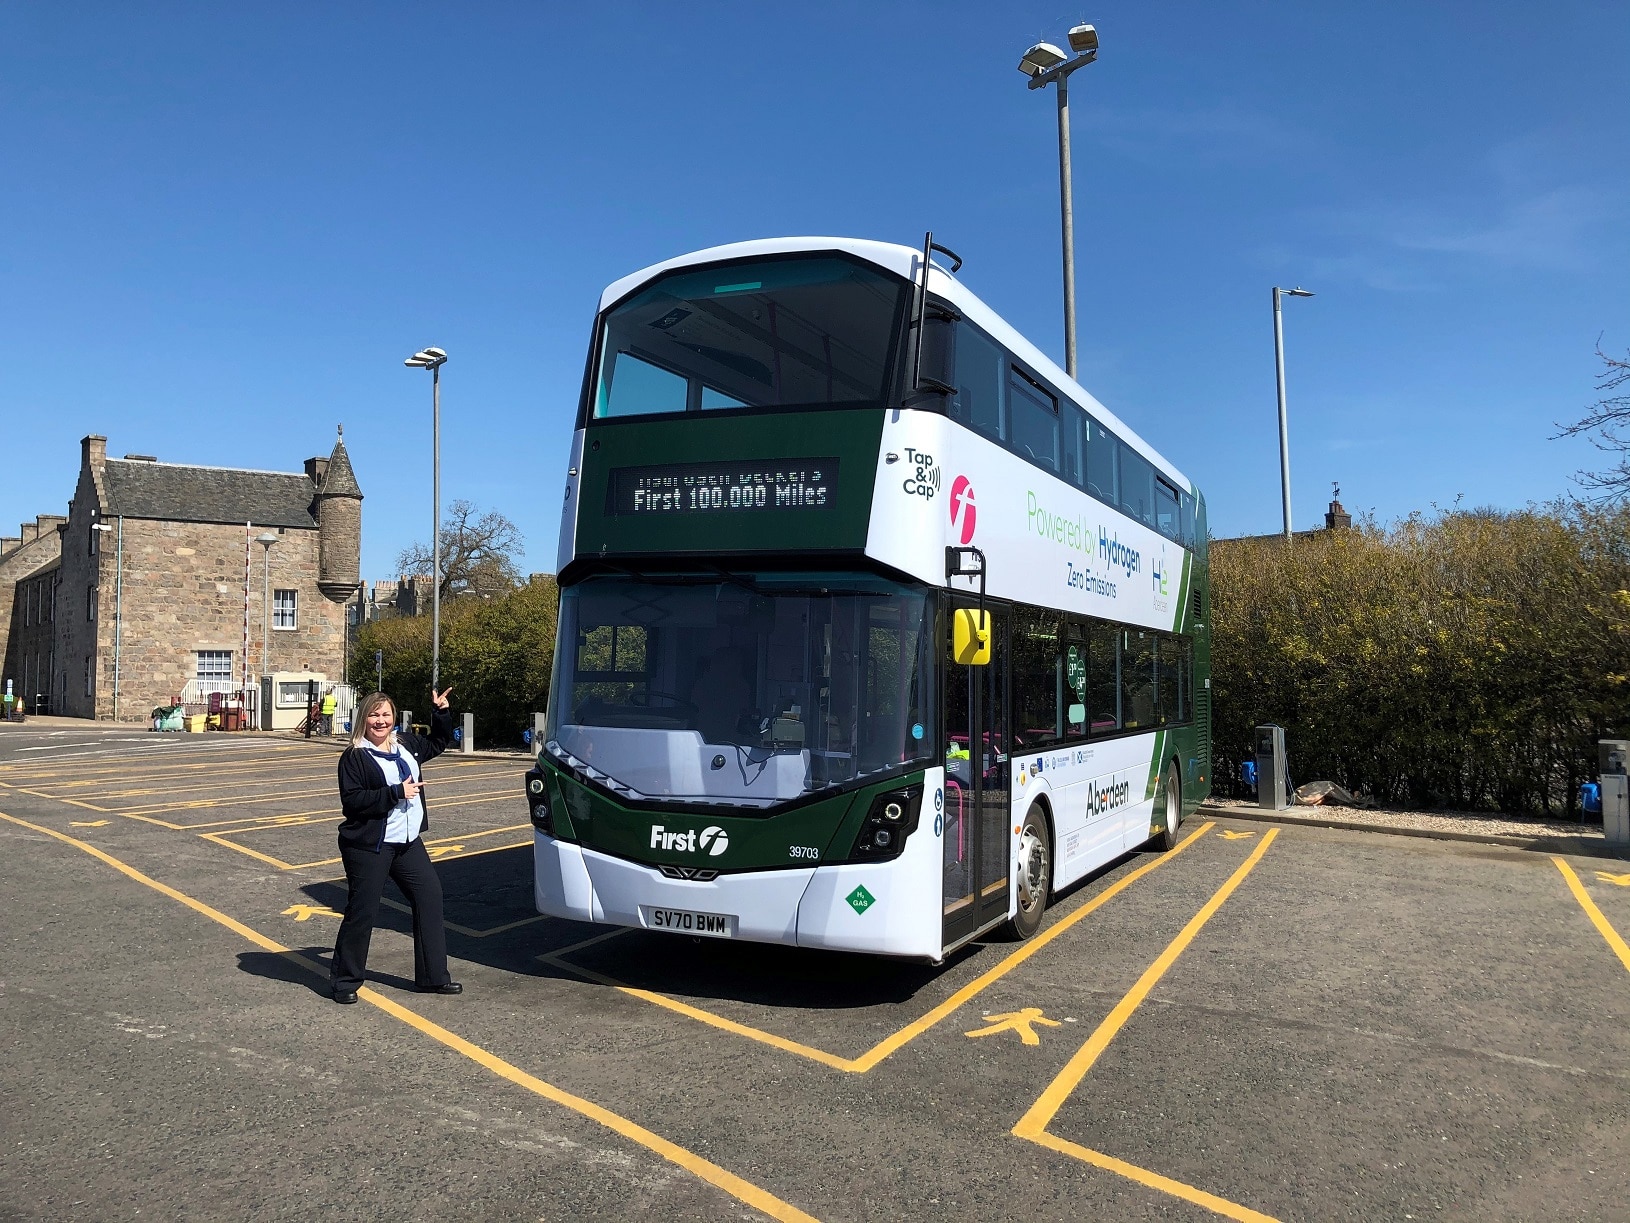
{"x":1035,"y":873}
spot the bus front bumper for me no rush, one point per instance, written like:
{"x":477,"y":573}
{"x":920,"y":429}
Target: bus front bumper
{"x":798,"y":907}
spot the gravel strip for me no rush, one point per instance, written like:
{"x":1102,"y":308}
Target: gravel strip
{"x":1426,"y":821}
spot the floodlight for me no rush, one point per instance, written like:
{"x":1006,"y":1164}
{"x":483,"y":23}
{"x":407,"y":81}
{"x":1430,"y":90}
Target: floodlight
{"x":1041,"y":57}
{"x":1297,"y":293}
{"x":1083,"y":38}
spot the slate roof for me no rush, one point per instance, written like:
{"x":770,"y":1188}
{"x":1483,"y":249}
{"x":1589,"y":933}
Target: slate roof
{"x":178,"y":493}
{"x":340,"y":480}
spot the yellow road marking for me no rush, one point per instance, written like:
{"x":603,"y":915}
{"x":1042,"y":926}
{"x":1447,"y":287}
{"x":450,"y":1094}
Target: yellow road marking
{"x":467,"y":931}
{"x":89,"y":823}
{"x":1236,"y":836}
{"x":430,"y":845}
{"x":261,"y":797}
{"x":219,"y":838}
{"x":1603,"y":927}
{"x":441,"y":851}
{"x":1622,"y":880}
{"x":1033,"y":1125}
{"x":307,"y":912}
{"x":742,"y":1190}
{"x":1016,"y":1021}
{"x":898,"y":1040}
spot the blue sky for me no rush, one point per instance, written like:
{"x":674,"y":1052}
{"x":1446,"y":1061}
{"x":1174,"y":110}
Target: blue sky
{"x":222,"y":227}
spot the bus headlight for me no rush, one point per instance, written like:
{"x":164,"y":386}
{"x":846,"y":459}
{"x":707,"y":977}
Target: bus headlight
{"x":891,"y":819}
{"x":537,"y":798}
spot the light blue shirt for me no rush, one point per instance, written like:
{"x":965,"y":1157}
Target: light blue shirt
{"x":407,"y":817}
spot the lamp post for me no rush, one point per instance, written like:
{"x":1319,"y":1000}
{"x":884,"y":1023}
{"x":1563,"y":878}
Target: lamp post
{"x":1046,"y":64}
{"x":118,"y":604}
{"x":1279,"y":369}
{"x":433,"y":359}
{"x":266,"y":541}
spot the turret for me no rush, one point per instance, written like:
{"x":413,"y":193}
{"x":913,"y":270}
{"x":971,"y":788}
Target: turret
{"x":339,"y":523}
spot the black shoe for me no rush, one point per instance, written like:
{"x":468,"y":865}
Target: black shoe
{"x":452,"y":987}
{"x":345,"y":996}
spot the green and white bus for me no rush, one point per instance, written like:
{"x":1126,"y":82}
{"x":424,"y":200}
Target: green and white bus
{"x":875,"y":628}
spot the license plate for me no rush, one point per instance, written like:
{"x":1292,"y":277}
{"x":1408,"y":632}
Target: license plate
{"x":689,"y":921}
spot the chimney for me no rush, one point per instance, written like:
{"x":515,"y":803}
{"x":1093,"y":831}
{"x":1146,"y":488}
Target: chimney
{"x":142,"y":458}
{"x":317,"y":471}
{"x":30,"y":531}
{"x":1336,"y":518}
{"x":93,"y":450}
{"x":7,"y":543}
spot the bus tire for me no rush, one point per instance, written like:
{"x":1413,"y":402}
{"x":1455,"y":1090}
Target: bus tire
{"x":1173,"y":790}
{"x":1035,"y":874}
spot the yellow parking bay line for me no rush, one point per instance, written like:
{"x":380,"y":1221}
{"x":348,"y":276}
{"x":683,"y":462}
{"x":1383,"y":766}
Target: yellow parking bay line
{"x":1033,"y":1125}
{"x":1603,"y":926}
{"x":889,"y":1044}
{"x":742,"y":1190}
{"x":468,"y":836}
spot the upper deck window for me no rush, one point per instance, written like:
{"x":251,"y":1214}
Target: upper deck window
{"x":767,"y":333}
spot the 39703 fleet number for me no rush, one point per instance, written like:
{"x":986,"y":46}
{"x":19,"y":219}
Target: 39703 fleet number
{"x":803,"y":851}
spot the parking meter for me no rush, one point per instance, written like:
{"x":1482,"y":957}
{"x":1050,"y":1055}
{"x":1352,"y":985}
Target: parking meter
{"x":1272,"y":771}
{"x":1614,"y":759}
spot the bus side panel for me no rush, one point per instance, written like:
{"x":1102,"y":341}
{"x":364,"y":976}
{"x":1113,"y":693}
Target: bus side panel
{"x":1099,"y":796}
{"x":560,"y":881}
{"x":909,"y":517}
{"x":904,"y":915}
{"x":568,"y":514}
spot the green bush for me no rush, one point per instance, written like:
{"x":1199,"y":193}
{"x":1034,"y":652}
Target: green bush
{"x":1469,"y":660}
{"x":495,"y":652}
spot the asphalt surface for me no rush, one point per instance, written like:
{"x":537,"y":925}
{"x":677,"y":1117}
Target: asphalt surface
{"x":1303,"y":1023}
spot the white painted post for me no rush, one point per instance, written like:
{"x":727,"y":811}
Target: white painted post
{"x":538,"y":722}
{"x":468,"y":744}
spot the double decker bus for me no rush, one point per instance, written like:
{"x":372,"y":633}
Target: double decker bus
{"x":875,"y":629}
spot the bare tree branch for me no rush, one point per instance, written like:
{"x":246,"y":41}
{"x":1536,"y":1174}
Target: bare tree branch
{"x":1609,"y":419}
{"x":477,"y":553}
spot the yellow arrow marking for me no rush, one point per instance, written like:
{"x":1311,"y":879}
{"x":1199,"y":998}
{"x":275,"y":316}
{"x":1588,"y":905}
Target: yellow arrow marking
{"x":101,"y":823}
{"x":1622,"y":880}
{"x":1236,"y":836}
{"x":307,"y":912}
{"x":441,"y":851}
{"x":1017,"y":1021}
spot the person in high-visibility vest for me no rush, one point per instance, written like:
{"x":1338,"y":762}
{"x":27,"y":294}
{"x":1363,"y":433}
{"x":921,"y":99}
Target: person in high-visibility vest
{"x":329,"y":705}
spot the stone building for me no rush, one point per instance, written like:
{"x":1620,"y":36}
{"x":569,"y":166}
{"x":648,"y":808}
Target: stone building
{"x":28,"y":568}
{"x":174,"y":580}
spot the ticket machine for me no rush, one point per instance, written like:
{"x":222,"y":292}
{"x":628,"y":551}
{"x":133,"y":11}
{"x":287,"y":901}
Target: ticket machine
{"x":1272,"y":771}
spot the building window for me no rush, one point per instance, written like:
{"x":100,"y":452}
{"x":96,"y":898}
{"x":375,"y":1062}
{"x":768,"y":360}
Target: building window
{"x":214,"y":671}
{"x":283,"y":602}
{"x":90,"y":604}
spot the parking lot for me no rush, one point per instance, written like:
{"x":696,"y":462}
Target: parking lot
{"x":1268,"y":1022}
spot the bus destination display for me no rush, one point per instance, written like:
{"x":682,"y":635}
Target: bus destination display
{"x":740,"y":486}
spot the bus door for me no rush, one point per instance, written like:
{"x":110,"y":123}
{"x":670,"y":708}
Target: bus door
{"x":976,"y":842}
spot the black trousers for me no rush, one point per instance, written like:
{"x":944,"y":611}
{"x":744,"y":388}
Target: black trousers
{"x":365,"y":873}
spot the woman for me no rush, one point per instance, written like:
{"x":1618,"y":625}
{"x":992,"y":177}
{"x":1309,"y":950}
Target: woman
{"x":382,"y":799}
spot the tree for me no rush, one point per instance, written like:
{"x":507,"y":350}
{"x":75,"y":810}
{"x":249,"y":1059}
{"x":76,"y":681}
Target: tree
{"x":1609,"y":418}
{"x":477,"y":553}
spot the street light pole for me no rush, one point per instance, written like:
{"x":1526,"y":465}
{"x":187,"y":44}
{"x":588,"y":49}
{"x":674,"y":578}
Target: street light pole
{"x":266,"y":541}
{"x":1045,"y":64}
{"x":1279,"y":370}
{"x":433,"y":359}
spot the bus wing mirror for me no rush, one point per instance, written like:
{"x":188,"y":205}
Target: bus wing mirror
{"x":970,"y":637}
{"x":936,"y":368}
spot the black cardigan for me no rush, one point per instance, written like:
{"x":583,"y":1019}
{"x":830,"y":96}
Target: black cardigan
{"x":366,"y":801}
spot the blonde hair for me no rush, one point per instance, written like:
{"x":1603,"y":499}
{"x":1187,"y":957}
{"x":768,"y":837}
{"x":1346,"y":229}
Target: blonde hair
{"x":359,"y":719}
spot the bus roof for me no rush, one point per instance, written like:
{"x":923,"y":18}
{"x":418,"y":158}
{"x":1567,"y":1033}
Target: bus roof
{"x":903,"y":261}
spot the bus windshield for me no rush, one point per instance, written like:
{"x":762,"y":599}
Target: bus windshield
{"x":742,"y":691}
{"x":770,"y":333}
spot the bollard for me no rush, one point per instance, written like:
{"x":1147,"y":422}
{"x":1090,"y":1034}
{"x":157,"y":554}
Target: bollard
{"x":468,"y":742}
{"x":538,"y":722}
